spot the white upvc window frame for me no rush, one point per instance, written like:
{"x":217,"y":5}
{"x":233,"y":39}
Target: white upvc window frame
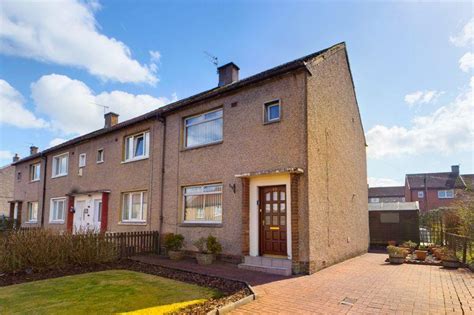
{"x":446,"y":194}
{"x":56,"y":159}
{"x":266,"y":111}
{"x":374,"y":199}
{"x":52,"y":217}
{"x":130,"y":147}
{"x":29,"y":209}
{"x":143,"y":212}
{"x":82,"y":160}
{"x":187,"y":125}
{"x":421,"y":194}
{"x":100,"y":156}
{"x":201,"y":194}
{"x":35,"y":169}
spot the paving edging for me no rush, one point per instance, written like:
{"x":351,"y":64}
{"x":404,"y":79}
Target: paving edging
{"x":232,"y":306}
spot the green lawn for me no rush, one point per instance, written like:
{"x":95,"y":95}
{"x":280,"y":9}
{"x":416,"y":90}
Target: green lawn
{"x":106,"y":292}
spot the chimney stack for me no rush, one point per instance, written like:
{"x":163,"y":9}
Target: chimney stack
{"x":33,"y":150}
{"x":228,"y":73}
{"x":111,"y":119}
{"x":16,"y":158}
{"x":455,"y":169}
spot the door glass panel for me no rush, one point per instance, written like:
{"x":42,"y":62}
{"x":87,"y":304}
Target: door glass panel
{"x":267,"y":220}
{"x":267,"y":196}
{"x":275,"y":220}
{"x":267,"y":207}
{"x":282,"y":195}
{"x":275,"y":195}
{"x":282,"y":207}
{"x":275,"y":207}
{"x":282,"y":220}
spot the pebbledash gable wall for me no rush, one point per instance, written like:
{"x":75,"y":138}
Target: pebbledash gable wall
{"x":337,"y":187}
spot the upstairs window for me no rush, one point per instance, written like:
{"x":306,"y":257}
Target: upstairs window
{"x":272,"y":111}
{"x":421,"y":194}
{"x":373,"y":200}
{"x":203,"y":129}
{"x":100,"y":155}
{"x":82,"y":160}
{"x":32,"y":212}
{"x":60,"y":165}
{"x":203,"y":204}
{"x":446,"y":194}
{"x":137,"y":146}
{"x":35,"y":170}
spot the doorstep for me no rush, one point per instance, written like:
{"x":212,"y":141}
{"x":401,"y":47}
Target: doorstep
{"x":277,"y":266}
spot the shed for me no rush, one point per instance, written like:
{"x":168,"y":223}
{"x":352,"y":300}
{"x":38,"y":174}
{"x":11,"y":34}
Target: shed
{"x":397,"y":221}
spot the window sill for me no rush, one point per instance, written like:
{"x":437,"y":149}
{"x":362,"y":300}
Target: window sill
{"x":34,"y":181}
{"x":201,"y":146}
{"x":100,"y":162}
{"x":210,"y":225}
{"x":143,"y":223}
{"x":31,"y":222}
{"x":271,"y":122}
{"x":57,"y":176}
{"x":134,"y":160}
{"x":56,"y":222}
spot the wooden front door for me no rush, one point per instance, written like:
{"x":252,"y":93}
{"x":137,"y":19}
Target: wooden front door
{"x":272,"y":209}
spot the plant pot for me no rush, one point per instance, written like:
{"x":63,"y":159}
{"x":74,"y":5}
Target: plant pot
{"x":204,"y":259}
{"x":176,"y":254}
{"x":396,"y":260}
{"x":421,"y":254}
{"x":451,"y":263}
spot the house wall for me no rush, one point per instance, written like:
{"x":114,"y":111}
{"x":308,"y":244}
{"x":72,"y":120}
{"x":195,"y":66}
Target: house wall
{"x":430,"y":200}
{"x":406,"y":229}
{"x":7,"y":175}
{"x":248,"y":145}
{"x":337,"y":185}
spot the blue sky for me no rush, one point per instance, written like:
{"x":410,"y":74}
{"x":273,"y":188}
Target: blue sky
{"x":412,"y":65}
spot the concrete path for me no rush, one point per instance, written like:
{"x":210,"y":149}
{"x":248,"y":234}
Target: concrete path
{"x":369,"y":286}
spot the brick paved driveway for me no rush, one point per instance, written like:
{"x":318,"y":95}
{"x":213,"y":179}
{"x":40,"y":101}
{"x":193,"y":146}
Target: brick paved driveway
{"x":377,"y":287}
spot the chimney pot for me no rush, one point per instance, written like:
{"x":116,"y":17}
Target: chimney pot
{"x":111,"y":119}
{"x":455,"y":169}
{"x":228,"y":73}
{"x":16,"y":158}
{"x":33,"y":150}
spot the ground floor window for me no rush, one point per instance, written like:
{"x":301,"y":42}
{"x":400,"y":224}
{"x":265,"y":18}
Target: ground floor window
{"x":203,"y":204}
{"x":32,"y":212}
{"x":58,"y":206}
{"x":134,"y":206}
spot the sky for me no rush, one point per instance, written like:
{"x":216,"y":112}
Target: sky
{"x":61,"y":62}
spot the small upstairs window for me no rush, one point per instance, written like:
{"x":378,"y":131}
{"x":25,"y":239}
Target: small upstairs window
{"x":82,"y":160}
{"x":100,"y":155}
{"x":272,"y":111}
{"x":137,"y":146}
{"x":421,"y":194}
{"x":35,"y":170}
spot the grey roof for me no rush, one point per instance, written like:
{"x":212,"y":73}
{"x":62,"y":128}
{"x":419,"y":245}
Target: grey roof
{"x":296,"y":64}
{"x":393,"y":191}
{"x":394,"y":206}
{"x":447,"y":180}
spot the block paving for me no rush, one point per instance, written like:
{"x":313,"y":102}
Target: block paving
{"x":369,"y":286}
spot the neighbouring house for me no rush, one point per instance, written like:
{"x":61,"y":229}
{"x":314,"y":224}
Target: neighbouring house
{"x":7,"y":174}
{"x":437,"y":190}
{"x":273,"y":165}
{"x":387,"y":194}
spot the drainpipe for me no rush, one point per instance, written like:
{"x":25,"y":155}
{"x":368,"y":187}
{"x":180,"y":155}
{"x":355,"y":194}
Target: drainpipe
{"x":45,"y":159}
{"x":162,"y":179}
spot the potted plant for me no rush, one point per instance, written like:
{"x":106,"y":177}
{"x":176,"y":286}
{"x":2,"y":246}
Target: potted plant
{"x":208,"y":248}
{"x":173,"y":244}
{"x":449,"y":259}
{"x":396,"y":255}
{"x":392,"y":243}
{"x":409,"y":245}
{"x":421,"y":253}
{"x":438,"y":252}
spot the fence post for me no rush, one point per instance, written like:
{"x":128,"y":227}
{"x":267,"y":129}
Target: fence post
{"x":464,"y":250}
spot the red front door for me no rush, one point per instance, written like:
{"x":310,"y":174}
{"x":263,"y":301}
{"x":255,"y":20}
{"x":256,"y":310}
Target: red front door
{"x":272,"y":209}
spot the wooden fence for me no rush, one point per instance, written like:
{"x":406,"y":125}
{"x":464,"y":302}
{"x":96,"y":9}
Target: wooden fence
{"x":461,"y":245}
{"x":133,"y":243}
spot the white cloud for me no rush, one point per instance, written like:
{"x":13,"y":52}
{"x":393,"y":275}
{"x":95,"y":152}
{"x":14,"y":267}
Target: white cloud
{"x":66,"y":33}
{"x":422,"y":97}
{"x":5,"y":155}
{"x":56,"y":141}
{"x":466,"y":62}
{"x":448,"y":129}
{"x":74,"y":108}
{"x":12,"y":110}
{"x":382,"y":182}
{"x":466,"y":37}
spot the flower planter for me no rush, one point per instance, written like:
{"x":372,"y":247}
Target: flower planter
{"x":451,"y":263}
{"x":421,"y":254}
{"x":396,"y":260}
{"x":204,"y":259}
{"x":175,"y":255}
